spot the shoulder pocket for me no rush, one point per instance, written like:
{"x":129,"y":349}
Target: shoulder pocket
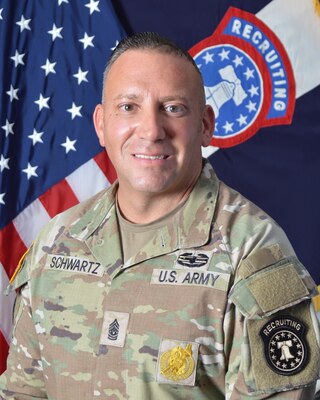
{"x":269,"y":288}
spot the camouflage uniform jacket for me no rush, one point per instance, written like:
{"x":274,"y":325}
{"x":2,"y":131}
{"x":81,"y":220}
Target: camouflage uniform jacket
{"x":215,"y":306}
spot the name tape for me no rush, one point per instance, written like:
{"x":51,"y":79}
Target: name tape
{"x":181,"y":277}
{"x":74,"y":264}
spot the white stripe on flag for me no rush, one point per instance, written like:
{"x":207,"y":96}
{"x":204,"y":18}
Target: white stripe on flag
{"x":207,"y":151}
{"x":297,"y":25}
{"x":87,"y":180}
{"x":6,"y":306}
{"x":30,"y":221}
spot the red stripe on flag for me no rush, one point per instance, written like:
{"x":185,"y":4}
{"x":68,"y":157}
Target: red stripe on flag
{"x":58,"y":198}
{"x":106,"y":166}
{"x":11,"y":248}
{"x":3,"y":351}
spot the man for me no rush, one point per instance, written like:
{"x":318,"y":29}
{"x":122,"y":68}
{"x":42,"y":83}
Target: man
{"x":168,"y":285}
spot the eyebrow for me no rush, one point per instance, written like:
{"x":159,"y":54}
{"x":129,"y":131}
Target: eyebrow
{"x":126,"y":96}
{"x":132,"y":96}
{"x":175,"y":97}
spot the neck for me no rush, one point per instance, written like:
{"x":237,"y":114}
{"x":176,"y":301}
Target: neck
{"x":142,"y":208}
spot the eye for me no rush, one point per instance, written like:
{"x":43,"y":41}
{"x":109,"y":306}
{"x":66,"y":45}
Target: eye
{"x":175,"y":109}
{"x":126,"y":107}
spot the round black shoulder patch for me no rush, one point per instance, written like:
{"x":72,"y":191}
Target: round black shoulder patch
{"x":285,"y":347}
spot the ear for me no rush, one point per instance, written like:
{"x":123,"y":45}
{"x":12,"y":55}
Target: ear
{"x":207,"y":125}
{"x":98,"y":120}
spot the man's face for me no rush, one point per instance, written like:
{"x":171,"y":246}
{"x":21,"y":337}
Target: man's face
{"x":152,"y":123}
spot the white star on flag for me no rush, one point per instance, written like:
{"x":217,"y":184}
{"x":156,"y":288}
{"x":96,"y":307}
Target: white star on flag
{"x":75,"y":111}
{"x":55,"y":32}
{"x":87,"y":40}
{"x":242,"y":119}
{"x":1,"y":198}
{"x":18,"y":58}
{"x":24,"y":24}
{"x":12,"y":93}
{"x":1,"y":9}
{"x":8,"y":128}
{"x":36,"y":137}
{"x":93,"y":5}
{"x":253,"y":91}
{"x":42,"y":102}
{"x":224,"y":54}
{"x":228,"y":127}
{"x":112,"y":48}
{"x":208,"y":57}
{"x":251,"y":106}
{"x":49,"y":67}
{"x":30,"y":171}
{"x":4,"y":163}
{"x":249,"y":73}
{"x":237,"y":60}
{"x":62,"y":1}
{"x":81,"y":76}
{"x":69,"y":145}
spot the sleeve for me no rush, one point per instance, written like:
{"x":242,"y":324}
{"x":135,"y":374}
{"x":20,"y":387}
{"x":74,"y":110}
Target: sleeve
{"x":271,"y":329}
{"x":23,"y":379}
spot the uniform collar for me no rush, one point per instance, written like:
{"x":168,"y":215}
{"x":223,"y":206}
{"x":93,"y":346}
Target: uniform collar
{"x":98,"y":226}
{"x":95,"y":215}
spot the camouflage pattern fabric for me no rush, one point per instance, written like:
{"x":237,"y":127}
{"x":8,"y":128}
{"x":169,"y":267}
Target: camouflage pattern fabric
{"x":190,"y":316}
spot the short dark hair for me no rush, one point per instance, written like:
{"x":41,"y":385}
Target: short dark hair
{"x":150,"y":41}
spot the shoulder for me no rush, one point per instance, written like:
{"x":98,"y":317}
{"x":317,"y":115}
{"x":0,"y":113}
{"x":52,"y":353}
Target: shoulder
{"x":76,"y":212}
{"x":245,"y":227}
{"x":89,"y":209}
{"x":58,"y":231}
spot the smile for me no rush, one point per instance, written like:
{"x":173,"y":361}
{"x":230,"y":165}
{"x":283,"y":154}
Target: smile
{"x":144,"y":156}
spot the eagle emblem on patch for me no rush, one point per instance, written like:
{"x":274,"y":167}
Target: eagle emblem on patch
{"x":285,"y":348}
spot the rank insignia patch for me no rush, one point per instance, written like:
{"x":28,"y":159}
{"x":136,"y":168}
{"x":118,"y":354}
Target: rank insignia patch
{"x":114,"y":328}
{"x":285,"y":347}
{"x":113,"y":331}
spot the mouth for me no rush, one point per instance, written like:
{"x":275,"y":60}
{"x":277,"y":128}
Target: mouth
{"x":151,"y":157}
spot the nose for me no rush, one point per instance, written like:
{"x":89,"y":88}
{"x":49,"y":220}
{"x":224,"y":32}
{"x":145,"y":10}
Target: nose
{"x":151,"y":125}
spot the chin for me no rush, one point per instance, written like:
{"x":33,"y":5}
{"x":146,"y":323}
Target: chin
{"x":151,"y":187}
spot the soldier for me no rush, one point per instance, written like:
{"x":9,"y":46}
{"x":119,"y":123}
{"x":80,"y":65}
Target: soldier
{"x":169,"y":284}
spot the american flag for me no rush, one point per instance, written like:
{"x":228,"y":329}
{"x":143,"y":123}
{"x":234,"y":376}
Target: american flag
{"x":53,"y":54}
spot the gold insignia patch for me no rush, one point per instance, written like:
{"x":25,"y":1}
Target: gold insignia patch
{"x":177,"y":364}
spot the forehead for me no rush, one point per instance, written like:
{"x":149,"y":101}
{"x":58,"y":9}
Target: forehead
{"x":151,"y":66}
